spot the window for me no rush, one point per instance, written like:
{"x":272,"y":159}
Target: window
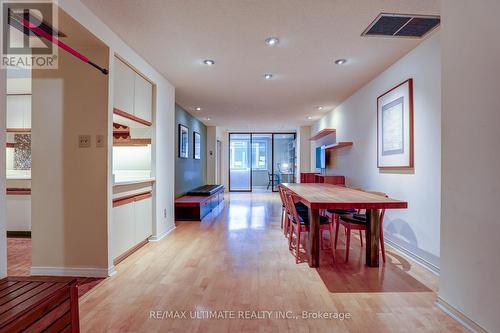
{"x":239,"y":155}
{"x":259,"y":149}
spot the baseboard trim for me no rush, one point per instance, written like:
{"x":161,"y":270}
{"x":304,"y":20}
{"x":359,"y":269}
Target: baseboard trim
{"x":73,"y":271}
{"x":424,"y":263}
{"x":158,"y":238}
{"x":451,"y":311}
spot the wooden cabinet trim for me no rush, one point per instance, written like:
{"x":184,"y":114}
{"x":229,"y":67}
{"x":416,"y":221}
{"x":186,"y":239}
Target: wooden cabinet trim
{"x":18,"y":191}
{"x":131,"y":198}
{"x":127,"y":115}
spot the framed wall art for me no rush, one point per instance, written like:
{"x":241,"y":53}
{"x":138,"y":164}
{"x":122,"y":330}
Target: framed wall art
{"x":183,"y":141}
{"x":196,"y":146}
{"x":395,"y":127}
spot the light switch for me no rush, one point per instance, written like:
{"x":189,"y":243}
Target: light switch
{"x":84,"y":141}
{"x":99,"y":141}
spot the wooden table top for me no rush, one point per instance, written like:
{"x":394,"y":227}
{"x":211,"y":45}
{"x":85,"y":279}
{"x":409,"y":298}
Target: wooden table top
{"x":328,"y":196}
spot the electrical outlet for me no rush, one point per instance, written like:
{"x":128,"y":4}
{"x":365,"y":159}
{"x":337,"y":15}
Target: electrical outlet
{"x":99,"y":141}
{"x":84,"y":141}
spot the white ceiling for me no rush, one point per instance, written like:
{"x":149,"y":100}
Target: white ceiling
{"x":175,"y":36}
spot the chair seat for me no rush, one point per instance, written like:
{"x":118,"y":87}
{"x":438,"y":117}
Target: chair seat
{"x":341,"y":211}
{"x":354,"y":218}
{"x":300,"y":206}
{"x":304,"y":219}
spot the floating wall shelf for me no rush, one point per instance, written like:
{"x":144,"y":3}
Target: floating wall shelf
{"x":339,"y":145}
{"x":321,"y":134}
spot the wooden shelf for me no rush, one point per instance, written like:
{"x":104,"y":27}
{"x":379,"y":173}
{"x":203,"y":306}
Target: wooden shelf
{"x":339,"y":145}
{"x":321,"y":134}
{"x":131,"y":142}
{"x":18,"y":130}
{"x":129,"y":119}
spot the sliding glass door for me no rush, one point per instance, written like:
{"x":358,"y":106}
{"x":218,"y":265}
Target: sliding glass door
{"x":240,"y":159}
{"x":260,"y":161}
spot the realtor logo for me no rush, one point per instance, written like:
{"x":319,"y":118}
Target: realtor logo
{"x":28,"y":32}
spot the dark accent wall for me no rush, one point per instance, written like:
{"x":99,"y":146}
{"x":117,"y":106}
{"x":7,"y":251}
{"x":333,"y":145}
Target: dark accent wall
{"x":189,"y":173}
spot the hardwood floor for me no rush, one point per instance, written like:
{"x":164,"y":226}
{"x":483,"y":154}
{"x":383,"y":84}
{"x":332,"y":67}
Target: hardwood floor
{"x":18,"y":256}
{"x":240,"y":261}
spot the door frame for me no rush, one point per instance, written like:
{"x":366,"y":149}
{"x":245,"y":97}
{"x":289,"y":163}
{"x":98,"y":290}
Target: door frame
{"x":251,"y":157}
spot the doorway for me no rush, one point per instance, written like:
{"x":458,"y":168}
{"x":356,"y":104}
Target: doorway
{"x":261,"y":161}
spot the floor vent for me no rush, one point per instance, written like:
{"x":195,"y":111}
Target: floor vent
{"x":398,"y":25}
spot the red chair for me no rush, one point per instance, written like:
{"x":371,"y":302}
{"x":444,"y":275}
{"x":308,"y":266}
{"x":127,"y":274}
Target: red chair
{"x":357,"y":221}
{"x":299,"y":223}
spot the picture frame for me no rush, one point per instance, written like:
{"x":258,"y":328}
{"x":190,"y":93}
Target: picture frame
{"x":196,"y":146}
{"x":183,"y":141}
{"x":395,"y":128}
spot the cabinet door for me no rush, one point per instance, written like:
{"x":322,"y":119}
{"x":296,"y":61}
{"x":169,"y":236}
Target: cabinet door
{"x":123,"y":90}
{"x":18,"y":211}
{"x":123,"y":229}
{"x":143,"y":98}
{"x":17,"y":107}
{"x":143,"y":219}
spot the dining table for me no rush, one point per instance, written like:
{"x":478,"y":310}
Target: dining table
{"x":320,"y":196}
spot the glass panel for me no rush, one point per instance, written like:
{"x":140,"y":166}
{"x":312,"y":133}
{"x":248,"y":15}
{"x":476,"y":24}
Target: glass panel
{"x":262,"y":162}
{"x":240,"y":159}
{"x":284,"y":159}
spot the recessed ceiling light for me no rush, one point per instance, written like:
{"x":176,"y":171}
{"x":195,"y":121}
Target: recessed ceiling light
{"x":320,"y":108}
{"x":309,"y":117}
{"x":208,"y":118}
{"x":340,"y":61}
{"x":198,"y":109}
{"x":209,"y":62}
{"x":272,"y":41}
{"x":268,"y":76}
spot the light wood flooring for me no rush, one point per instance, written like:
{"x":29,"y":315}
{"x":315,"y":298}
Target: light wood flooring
{"x":239,"y":261}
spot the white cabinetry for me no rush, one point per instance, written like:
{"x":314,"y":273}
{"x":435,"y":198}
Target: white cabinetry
{"x":143,"y":98}
{"x":18,"y":111}
{"x":18,"y":212}
{"x":123,"y":228}
{"x":123,"y":90}
{"x":133,"y":94}
{"x":132,"y":224}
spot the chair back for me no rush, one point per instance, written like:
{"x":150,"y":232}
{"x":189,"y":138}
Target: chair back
{"x":281,"y":191}
{"x":292,"y":211}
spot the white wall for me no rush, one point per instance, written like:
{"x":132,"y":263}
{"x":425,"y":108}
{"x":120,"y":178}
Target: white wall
{"x":415,"y":229}
{"x":303,"y":150}
{"x":164,"y":131}
{"x":470,"y":227}
{"x":3,"y":238}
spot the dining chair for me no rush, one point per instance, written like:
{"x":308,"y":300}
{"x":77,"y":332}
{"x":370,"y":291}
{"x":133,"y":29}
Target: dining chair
{"x":273,"y":180}
{"x":357,"y":221}
{"x":299,"y":222}
{"x":285,"y":212}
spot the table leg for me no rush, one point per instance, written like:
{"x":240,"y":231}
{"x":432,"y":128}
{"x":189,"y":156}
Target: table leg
{"x":372,"y":237}
{"x":313,"y":243}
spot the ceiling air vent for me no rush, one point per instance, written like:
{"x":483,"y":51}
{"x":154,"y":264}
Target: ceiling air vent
{"x":398,"y":25}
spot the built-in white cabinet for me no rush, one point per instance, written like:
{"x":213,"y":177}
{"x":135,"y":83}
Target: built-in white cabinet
{"x":143,"y":98}
{"x":18,"y":111}
{"x":18,"y":212}
{"x":143,"y":211}
{"x":123,"y":82}
{"x":123,"y":228}
{"x":133,"y":94}
{"x":132,"y":224}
